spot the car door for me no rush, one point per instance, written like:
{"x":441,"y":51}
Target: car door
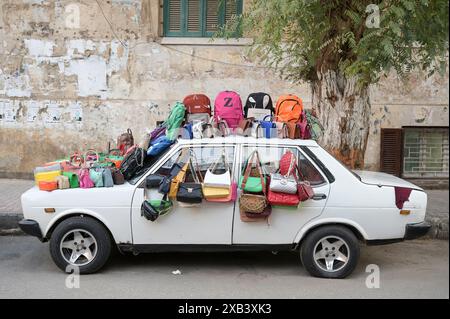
{"x":284,"y":223}
{"x":209,"y":223}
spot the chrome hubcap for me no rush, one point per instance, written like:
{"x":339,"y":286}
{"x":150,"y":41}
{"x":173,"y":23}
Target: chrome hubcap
{"x":331,"y":253}
{"x":78,"y":247}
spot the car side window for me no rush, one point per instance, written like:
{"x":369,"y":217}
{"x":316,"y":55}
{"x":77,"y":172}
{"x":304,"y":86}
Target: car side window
{"x":204,"y":155}
{"x":270,"y":160}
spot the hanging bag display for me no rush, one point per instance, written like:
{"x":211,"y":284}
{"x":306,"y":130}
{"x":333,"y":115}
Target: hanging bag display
{"x":284,"y":183}
{"x":152,"y":209}
{"x":191,"y":193}
{"x":218,"y":180}
{"x":175,"y":182}
{"x":253,"y":183}
{"x":249,"y":202}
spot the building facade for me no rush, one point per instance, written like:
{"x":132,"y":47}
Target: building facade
{"x":76,"y":74}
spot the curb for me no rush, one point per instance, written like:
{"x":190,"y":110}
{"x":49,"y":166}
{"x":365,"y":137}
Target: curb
{"x":9,"y":226}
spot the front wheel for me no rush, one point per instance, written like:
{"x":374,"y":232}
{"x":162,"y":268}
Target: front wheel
{"x":330,"y":252}
{"x":80,"y":242}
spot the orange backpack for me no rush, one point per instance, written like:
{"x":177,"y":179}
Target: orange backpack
{"x":289,"y":109}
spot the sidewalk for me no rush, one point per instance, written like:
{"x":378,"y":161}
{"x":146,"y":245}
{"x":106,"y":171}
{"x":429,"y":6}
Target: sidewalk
{"x":11,"y":212}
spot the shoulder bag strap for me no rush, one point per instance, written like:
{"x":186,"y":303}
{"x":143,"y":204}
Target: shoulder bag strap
{"x":247,"y":169}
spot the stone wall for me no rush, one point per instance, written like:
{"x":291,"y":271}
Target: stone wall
{"x":64,"y":87}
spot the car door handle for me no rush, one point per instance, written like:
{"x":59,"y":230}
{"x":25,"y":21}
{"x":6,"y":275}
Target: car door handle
{"x":319,"y":197}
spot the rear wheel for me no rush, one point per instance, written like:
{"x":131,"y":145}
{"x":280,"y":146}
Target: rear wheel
{"x":330,"y":252}
{"x":81,"y":242}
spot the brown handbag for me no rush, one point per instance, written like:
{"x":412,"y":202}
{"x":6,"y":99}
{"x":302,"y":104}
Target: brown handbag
{"x":253,"y":203}
{"x":245,"y":125}
{"x":117,"y":176}
{"x":293,"y":130}
{"x":282,"y":130}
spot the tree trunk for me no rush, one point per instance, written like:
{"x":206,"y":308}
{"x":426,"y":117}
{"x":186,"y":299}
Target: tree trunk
{"x":343,"y":107}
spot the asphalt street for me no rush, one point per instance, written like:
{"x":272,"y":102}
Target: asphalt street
{"x":415,"y":269}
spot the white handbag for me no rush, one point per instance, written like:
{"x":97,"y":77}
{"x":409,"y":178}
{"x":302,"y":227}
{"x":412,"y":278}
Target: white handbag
{"x":256,"y":130}
{"x":197,"y":130}
{"x":286,"y":184}
{"x":218,"y":180}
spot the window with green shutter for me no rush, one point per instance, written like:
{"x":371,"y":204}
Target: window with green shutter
{"x":198,"y":18}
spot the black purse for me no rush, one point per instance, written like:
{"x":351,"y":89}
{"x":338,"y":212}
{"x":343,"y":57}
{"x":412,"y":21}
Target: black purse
{"x":191,"y":193}
{"x":153,"y":181}
{"x":152,"y":209}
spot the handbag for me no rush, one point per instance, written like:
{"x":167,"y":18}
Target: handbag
{"x":107,"y":178}
{"x":286,"y":160}
{"x":90,"y":158}
{"x":125,"y":141}
{"x":269,"y":127}
{"x":159,"y":146}
{"x":153,"y":180}
{"x":47,"y":185}
{"x":175,"y":182}
{"x":230,"y":198}
{"x":218,"y":180}
{"x":84,"y":178}
{"x":293,"y":130}
{"x":223,"y":128}
{"x":96,"y":175}
{"x":305,"y":130}
{"x":252,"y":202}
{"x":253,"y":184}
{"x":305,"y":191}
{"x":186,"y":132}
{"x":282,"y":130}
{"x":63,"y":182}
{"x":284,"y":183}
{"x":73,"y":179}
{"x":191,"y":193}
{"x":244,"y":126}
{"x":117,"y":176}
{"x":256,"y":130}
{"x":152,"y":209}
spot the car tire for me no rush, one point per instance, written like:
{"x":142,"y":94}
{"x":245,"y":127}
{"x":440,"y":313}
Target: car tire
{"x":330,"y":252}
{"x":80,"y":242}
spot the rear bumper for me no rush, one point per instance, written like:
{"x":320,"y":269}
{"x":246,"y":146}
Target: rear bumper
{"x":414,"y":231}
{"x":31,"y":227}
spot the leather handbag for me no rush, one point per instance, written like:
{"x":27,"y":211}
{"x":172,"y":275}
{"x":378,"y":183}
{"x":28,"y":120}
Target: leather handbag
{"x":256,"y":130}
{"x":252,"y":202}
{"x":218,"y":180}
{"x":84,"y":178}
{"x":248,"y":217}
{"x":63,"y":182}
{"x":245,"y":126}
{"x":117,"y":176}
{"x":222,"y":128}
{"x":153,"y":180}
{"x":216,"y":192}
{"x":286,"y":160}
{"x":284,"y":183}
{"x":96,"y":175}
{"x":47,"y":185}
{"x":282,"y":130}
{"x":152,"y":209}
{"x":230,"y":198}
{"x":175,"y":182}
{"x":293,"y":130}
{"x":305,"y":191}
{"x":107,"y":178}
{"x":282,"y":199}
{"x":266,"y":213}
{"x":191,"y":193}
{"x":73,"y":179}
{"x":253,"y":184}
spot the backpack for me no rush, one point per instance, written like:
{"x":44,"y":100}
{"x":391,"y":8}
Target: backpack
{"x":289,"y":108}
{"x":228,"y":107}
{"x":173,"y":122}
{"x":316,"y":128}
{"x":132,"y":162}
{"x":258,"y":105}
{"x":197,"y":103}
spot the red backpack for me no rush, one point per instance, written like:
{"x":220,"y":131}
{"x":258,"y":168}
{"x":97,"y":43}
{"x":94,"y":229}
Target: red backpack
{"x":228,"y":107}
{"x":197,"y":103}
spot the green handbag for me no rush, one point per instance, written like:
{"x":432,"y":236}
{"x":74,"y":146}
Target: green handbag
{"x":162,"y":206}
{"x":252,"y":184}
{"x":73,"y":179}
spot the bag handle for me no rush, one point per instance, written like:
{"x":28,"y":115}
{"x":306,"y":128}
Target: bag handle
{"x":223,"y":157}
{"x":195,"y":169}
{"x":255,"y":154}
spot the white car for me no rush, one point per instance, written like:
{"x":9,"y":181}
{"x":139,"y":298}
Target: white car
{"x":348,"y":208}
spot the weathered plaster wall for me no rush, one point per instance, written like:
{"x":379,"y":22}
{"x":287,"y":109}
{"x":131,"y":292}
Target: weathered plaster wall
{"x":64,"y":88}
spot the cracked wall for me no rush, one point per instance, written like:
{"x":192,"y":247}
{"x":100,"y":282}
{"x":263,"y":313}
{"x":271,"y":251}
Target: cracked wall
{"x":66,"y":88}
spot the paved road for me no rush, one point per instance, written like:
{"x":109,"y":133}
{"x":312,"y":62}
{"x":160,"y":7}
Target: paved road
{"x":416,"y":269}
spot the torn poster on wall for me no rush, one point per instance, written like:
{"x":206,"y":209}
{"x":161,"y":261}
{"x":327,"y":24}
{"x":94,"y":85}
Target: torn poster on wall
{"x":2,"y":114}
{"x":32,"y":111}
{"x":9,"y":112}
{"x":53,"y":112}
{"x":76,"y":112}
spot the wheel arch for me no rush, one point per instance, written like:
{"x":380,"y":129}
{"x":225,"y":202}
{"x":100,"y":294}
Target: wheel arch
{"x":74,"y":213}
{"x":356,"y":229}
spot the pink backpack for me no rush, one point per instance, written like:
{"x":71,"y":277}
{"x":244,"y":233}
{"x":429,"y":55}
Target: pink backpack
{"x":228,"y":107}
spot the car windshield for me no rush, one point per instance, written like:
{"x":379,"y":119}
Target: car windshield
{"x":148,"y":163}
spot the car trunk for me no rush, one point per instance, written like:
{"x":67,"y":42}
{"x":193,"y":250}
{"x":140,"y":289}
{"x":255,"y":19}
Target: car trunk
{"x":383,"y":179}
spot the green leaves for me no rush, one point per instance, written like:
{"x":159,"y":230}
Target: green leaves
{"x":304,"y":37}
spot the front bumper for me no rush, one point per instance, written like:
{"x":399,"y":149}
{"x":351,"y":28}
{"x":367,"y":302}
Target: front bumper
{"x":31,"y":227}
{"x":414,"y":231}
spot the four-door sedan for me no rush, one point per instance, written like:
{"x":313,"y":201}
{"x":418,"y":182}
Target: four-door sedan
{"x":348,"y":208}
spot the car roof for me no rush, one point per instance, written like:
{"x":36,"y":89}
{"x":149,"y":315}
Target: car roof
{"x":237,"y":139}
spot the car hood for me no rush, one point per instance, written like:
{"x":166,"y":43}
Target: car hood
{"x":117,"y":196}
{"x":383,"y":179}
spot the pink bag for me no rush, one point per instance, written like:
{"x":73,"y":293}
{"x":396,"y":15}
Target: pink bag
{"x":84,"y":178}
{"x":305,"y":130}
{"x":228,"y":107}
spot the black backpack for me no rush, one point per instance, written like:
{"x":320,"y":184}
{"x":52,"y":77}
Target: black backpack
{"x":256,"y":100}
{"x":132,"y":163}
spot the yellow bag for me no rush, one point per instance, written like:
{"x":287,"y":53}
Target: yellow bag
{"x":215,"y":192}
{"x":175,"y":183}
{"x":46,"y":176}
